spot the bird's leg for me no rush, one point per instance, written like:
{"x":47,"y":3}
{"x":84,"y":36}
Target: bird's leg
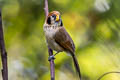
{"x":52,"y":57}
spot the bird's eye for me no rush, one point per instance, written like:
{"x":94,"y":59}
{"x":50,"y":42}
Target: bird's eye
{"x":53,"y":16}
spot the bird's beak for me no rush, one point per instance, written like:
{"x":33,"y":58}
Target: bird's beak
{"x":57,"y":18}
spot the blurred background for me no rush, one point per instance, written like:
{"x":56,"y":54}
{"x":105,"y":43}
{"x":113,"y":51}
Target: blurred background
{"x":94,"y":26}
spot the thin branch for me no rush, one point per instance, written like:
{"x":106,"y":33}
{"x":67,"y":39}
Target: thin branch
{"x":52,"y":65}
{"x":46,"y":8}
{"x":107,"y":74}
{"x":3,"y":52}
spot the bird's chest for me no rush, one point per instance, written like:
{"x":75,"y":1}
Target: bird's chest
{"x":49,"y":33}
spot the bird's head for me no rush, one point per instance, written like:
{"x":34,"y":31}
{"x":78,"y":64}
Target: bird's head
{"x":54,"y":18}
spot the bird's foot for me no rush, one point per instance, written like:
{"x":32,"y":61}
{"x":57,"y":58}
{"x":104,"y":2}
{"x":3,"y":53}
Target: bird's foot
{"x":51,"y":58}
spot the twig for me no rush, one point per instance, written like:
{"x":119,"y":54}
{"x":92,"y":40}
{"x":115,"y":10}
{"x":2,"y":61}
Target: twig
{"x":52,"y":65}
{"x":3,"y":51}
{"x":46,"y":8}
{"x":107,"y":74}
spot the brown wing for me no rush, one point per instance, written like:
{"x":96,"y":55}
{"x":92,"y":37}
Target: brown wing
{"x":64,"y":40}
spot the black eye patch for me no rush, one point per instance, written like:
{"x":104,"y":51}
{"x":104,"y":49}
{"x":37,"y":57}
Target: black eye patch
{"x":61,"y":24}
{"x":49,"y":20}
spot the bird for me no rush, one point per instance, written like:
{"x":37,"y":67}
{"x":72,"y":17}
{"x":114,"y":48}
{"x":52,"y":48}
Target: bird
{"x":58,"y":39}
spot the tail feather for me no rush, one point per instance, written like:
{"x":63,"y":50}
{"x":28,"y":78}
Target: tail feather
{"x":76,"y":65}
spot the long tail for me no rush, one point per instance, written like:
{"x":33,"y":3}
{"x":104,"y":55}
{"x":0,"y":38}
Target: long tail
{"x":76,"y":65}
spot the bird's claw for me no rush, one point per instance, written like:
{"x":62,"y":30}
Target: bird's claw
{"x":51,"y":58}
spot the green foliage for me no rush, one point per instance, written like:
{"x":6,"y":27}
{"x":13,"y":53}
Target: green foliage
{"x":94,"y":29}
